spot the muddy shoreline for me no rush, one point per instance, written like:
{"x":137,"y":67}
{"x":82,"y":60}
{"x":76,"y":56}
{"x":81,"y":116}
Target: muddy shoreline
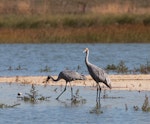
{"x":118,"y":82}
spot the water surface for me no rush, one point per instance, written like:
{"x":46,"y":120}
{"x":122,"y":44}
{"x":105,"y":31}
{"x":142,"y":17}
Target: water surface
{"x":63,"y":112}
{"x":32,"y":59}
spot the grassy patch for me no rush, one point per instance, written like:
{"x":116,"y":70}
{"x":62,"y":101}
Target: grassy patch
{"x":71,"y":28}
{"x":70,"y":20}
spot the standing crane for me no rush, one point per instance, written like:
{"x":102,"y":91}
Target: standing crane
{"x":68,"y":76}
{"x":97,"y":74}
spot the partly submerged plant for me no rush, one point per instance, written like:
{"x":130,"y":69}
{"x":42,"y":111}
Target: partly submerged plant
{"x":136,"y":108}
{"x":146,"y":106}
{"x":122,"y":68}
{"x":77,"y":99}
{"x":33,"y":96}
{"x":8,"y":106}
{"x":111,"y":67}
{"x":46,"y":69}
{"x":144,"y":69}
{"x":18,"y":68}
{"x":96,"y":109}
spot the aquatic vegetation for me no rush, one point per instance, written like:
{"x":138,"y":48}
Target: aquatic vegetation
{"x":111,"y":67}
{"x":136,"y":108}
{"x":126,"y":107}
{"x":33,"y":96}
{"x":143,"y":69}
{"x":105,"y":96}
{"x":18,"y":68}
{"x":146,"y":106}
{"x":120,"y":68}
{"x":77,"y":99}
{"x":78,"y":68}
{"x":55,"y":90}
{"x":8,"y":106}
{"x":10,"y":68}
{"x":46,"y":69}
{"x":96,"y":109}
{"x":123,"y":69}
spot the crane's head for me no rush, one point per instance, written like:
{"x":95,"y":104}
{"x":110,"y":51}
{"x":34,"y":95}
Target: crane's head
{"x":48,"y":77}
{"x":46,"y":81}
{"x":108,"y":82}
{"x":85,"y":50}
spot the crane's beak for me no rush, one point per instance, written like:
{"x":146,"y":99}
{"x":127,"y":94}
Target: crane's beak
{"x":84,"y":50}
{"x":110,"y":86}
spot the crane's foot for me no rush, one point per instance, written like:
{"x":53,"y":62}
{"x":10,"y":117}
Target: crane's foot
{"x":98,"y":99}
{"x":57,"y":98}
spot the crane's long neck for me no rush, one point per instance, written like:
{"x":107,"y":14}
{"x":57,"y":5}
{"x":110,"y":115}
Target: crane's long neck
{"x":87,"y":58}
{"x":55,"y":79}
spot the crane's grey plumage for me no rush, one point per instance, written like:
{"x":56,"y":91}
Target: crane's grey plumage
{"x":97,"y":74}
{"x":68,"y":76}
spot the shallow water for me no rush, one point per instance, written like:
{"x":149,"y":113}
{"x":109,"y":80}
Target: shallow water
{"x":32,"y":59}
{"x":63,"y":112}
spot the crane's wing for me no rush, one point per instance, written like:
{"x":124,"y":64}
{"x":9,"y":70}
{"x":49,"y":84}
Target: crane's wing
{"x":72,"y":75}
{"x":97,"y":73}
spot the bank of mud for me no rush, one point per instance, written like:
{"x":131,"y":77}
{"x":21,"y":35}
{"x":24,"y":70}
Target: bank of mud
{"x":118,"y":82}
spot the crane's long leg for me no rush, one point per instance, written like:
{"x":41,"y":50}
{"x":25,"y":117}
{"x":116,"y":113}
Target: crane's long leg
{"x":71,"y":91}
{"x":98,"y":93}
{"x":62,"y":92}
